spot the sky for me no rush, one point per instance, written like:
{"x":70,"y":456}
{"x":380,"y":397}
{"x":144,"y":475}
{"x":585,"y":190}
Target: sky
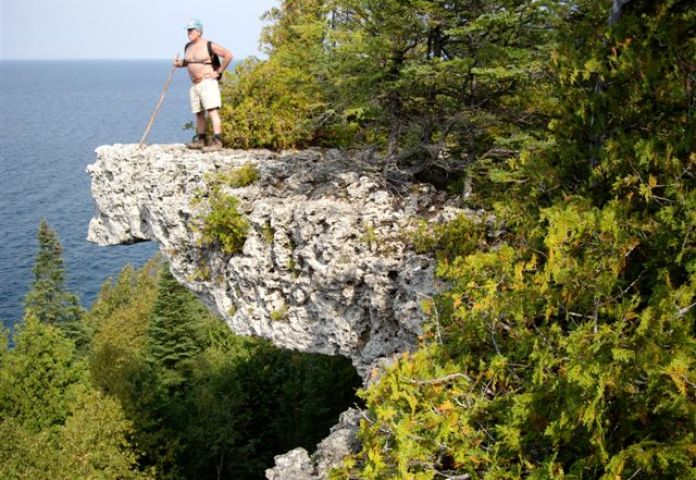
{"x":125,"y":29}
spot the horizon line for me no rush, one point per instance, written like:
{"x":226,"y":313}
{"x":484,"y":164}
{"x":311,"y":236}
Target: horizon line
{"x":100,"y":59}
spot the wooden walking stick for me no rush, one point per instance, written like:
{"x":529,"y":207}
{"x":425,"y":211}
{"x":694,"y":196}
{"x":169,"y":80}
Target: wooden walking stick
{"x":159,"y":104}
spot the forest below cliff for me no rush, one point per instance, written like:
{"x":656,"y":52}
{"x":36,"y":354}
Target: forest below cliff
{"x":148,"y":384}
{"x":563,"y":346}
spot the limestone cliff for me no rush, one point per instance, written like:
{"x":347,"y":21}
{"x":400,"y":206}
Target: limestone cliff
{"x":326,"y":266}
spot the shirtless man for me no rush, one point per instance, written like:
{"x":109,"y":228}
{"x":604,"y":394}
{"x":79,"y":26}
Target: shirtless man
{"x":205,"y":91}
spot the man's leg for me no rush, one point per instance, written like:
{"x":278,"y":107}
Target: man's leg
{"x":214,"y":115}
{"x":216,"y":142}
{"x":212,"y":102}
{"x":200,"y":123}
{"x":199,"y":140}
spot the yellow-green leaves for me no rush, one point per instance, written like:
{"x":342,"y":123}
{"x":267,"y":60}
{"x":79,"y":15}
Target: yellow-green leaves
{"x":224,"y":225}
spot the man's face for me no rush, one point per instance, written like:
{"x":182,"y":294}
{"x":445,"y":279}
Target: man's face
{"x":193,"y":33}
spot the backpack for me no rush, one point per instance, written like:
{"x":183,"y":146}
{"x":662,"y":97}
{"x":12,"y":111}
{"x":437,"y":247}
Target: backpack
{"x":215,"y":60}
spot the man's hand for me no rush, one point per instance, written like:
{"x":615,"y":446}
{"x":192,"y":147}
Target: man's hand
{"x":176,"y":62}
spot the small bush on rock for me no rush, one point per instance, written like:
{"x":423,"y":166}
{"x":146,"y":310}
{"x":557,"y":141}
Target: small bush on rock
{"x":224,"y":225}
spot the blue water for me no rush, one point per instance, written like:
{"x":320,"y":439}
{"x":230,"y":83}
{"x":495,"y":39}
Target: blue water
{"x":53,"y":114}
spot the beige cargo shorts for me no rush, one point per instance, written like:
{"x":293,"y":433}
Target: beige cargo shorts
{"x":205,"y":95}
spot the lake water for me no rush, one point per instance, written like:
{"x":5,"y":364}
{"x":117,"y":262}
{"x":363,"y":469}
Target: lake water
{"x":53,"y":114}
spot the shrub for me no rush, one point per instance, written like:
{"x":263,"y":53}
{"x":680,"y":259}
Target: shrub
{"x":224,"y":225}
{"x":240,"y":177}
{"x":260,"y":112}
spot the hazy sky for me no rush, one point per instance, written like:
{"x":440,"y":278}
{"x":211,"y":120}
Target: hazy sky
{"x":138,"y":29}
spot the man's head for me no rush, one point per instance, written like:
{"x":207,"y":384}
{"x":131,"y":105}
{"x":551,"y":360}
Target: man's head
{"x":195,"y":27}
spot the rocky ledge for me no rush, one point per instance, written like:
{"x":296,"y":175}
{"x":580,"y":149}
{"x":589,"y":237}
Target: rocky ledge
{"x":326,"y":266}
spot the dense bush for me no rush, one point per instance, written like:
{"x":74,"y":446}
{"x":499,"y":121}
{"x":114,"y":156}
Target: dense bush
{"x":422,"y":81}
{"x":268,"y":105}
{"x":565,"y":349}
{"x":223,"y":227}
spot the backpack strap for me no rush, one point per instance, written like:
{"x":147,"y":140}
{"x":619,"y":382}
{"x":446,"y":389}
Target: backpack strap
{"x":214,"y":59}
{"x":206,"y":63}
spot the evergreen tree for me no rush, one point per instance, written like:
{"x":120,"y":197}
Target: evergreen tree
{"x":426,"y":83}
{"x":282,"y":102}
{"x":173,"y":333}
{"x":439,"y":78}
{"x":53,"y":424}
{"x":566,"y":349}
{"x":120,"y":319}
{"x":49,"y":300}
{"x":25,"y":454}
{"x":39,"y":376}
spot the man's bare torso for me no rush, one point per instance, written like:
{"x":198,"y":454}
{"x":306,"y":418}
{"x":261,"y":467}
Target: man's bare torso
{"x":197,"y":53}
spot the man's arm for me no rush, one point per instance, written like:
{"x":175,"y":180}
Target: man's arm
{"x":178,"y":63}
{"x":226,"y":55}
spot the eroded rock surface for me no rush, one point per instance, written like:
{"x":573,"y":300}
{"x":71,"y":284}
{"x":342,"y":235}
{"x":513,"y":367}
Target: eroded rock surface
{"x":326,"y":266}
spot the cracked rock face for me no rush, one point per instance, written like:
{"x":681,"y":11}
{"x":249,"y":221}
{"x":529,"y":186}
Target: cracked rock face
{"x":325,"y":267}
{"x":297,"y":464}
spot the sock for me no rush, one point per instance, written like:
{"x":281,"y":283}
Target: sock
{"x":201,"y":136}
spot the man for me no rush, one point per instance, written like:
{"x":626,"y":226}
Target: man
{"x":205,"y":91}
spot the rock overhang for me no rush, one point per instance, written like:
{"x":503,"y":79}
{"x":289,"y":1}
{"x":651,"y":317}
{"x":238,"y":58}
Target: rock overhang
{"x":326,"y":266}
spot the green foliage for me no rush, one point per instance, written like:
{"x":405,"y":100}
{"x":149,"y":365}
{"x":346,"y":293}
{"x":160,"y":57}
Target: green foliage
{"x":120,"y":318}
{"x":39,"y":376}
{"x":53,"y":424}
{"x":437,"y":76}
{"x":280,"y":314}
{"x":48,"y":300}
{"x":202,"y":402}
{"x":240,"y":177}
{"x":566,"y":349}
{"x":419,"y":80}
{"x":93,"y":439}
{"x":173,"y":337}
{"x":545,"y":368}
{"x":174,"y":340}
{"x":224,"y":226}
{"x":268,"y":105}
{"x":25,"y":455}
{"x":370,"y":235}
{"x":91,"y":444}
{"x":458,"y":237}
{"x":267,"y":232}
{"x":284,"y":102}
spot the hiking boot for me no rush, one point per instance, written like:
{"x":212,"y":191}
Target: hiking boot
{"x":214,"y":146}
{"x":197,"y":142}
